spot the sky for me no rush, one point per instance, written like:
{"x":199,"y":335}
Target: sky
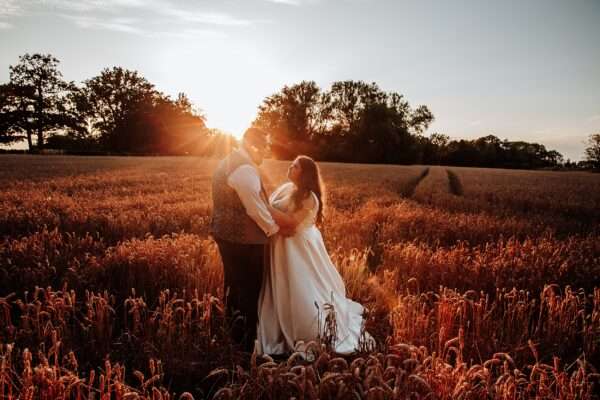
{"x":521,"y":70}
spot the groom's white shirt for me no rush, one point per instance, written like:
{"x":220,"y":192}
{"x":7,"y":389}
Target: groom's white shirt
{"x":245,"y":180}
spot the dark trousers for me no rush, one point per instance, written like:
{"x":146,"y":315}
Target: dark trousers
{"x":243,"y":272}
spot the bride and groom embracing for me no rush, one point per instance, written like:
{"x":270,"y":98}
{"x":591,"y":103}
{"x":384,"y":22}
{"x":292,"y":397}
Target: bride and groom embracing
{"x":276,"y":267}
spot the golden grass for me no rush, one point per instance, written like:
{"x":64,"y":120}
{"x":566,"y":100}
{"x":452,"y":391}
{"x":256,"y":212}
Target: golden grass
{"x":567,"y":202}
{"x":494,"y":293}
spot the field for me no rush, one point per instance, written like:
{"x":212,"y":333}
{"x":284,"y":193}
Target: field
{"x":479,"y":283}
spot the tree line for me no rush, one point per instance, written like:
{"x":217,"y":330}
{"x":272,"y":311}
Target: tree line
{"x":119,"y":111}
{"x":355,"y":121}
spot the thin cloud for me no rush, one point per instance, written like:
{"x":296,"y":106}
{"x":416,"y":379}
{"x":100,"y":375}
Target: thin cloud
{"x":189,"y":34}
{"x":152,"y":9}
{"x":594,"y":118}
{"x":10,"y":8}
{"x":126,"y":25}
{"x":107,"y":15}
{"x":209,"y":18}
{"x":133,"y":26}
{"x":94,"y":5}
{"x":293,"y":2}
{"x":288,"y":2}
{"x":160,"y":8}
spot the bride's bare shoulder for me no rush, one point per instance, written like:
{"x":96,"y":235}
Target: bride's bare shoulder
{"x":311,"y":201}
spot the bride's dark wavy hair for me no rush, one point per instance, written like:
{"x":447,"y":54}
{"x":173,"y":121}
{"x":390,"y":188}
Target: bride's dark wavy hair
{"x":309,"y":181}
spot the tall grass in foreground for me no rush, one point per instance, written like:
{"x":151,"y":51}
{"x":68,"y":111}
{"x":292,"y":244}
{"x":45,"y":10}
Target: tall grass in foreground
{"x":512,"y":335}
{"x":111,"y":288}
{"x":43,"y":356}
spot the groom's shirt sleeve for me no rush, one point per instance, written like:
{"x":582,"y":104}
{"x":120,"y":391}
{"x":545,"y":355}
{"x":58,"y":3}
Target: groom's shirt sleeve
{"x":246,"y":182}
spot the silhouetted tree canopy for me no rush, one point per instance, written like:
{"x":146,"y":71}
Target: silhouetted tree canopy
{"x":293,"y":118}
{"x":592,"y":151}
{"x":114,"y":102}
{"x":127,"y":114}
{"x":487,"y":151}
{"x":116,"y":111}
{"x":120,"y":111}
{"x":353,"y":121}
{"x":35,"y":101}
{"x":14,"y":122}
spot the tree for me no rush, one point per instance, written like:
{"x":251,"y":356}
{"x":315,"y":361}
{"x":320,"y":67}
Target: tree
{"x":353,"y":121}
{"x":167,"y":127}
{"x":15,"y":121}
{"x":127,"y":114}
{"x":378,"y":127}
{"x":293,"y":118}
{"x":554,"y":158}
{"x":592,"y":152}
{"x":462,"y":153}
{"x":439,"y":139}
{"x":36,"y":99}
{"x":420,"y":119}
{"x":435,"y":148}
{"x":111,"y":100}
{"x":345,"y":102}
{"x":490,"y":151}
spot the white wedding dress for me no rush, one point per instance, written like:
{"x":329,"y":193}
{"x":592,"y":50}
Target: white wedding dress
{"x":301,"y":275}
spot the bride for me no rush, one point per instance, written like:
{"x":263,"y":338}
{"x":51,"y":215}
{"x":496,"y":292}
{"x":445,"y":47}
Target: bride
{"x":301,"y":275}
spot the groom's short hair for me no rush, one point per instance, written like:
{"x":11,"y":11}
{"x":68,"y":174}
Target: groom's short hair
{"x":256,"y":137}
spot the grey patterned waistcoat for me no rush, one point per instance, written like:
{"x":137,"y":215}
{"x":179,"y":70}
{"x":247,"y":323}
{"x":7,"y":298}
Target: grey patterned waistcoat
{"x":229,"y":218}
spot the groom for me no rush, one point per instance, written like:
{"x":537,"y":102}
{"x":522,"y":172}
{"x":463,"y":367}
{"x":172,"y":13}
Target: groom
{"x":241,"y":224}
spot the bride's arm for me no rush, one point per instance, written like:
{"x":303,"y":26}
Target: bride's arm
{"x":292,"y":220}
{"x":282,"y":219}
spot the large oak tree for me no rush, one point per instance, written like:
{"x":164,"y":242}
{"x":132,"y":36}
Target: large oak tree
{"x":36,"y":101}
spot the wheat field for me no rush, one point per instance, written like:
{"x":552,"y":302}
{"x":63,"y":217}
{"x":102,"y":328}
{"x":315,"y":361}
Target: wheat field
{"x":479,"y":283}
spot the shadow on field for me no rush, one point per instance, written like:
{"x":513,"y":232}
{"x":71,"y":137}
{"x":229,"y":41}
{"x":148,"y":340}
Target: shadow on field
{"x":376,"y":247}
{"x":454,"y":183}
{"x":409,"y":189}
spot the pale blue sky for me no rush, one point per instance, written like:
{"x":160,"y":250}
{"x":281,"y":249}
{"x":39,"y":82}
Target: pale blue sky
{"x":523,"y":70}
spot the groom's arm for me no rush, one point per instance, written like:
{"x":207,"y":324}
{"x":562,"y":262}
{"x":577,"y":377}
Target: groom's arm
{"x":246,"y":182}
